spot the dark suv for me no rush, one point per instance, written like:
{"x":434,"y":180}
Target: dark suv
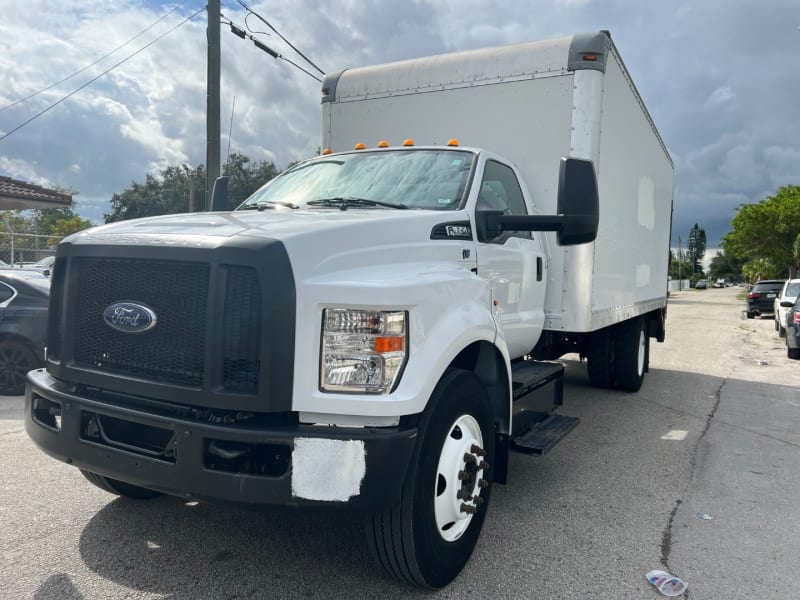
{"x":761,"y":299}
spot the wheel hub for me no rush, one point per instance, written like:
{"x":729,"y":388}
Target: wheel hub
{"x":459,"y":478}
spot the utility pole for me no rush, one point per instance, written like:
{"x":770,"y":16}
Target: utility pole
{"x":680,"y":281}
{"x":212,"y":100}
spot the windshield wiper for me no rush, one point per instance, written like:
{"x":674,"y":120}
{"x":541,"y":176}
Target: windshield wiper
{"x":343,"y":202}
{"x":259,"y":206}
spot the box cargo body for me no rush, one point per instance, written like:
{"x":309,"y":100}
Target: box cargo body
{"x":534,"y":103}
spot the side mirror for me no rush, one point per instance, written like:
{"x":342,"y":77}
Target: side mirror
{"x":578,"y":202}
{"x":578,"y":209}
{"x":219,"y":195}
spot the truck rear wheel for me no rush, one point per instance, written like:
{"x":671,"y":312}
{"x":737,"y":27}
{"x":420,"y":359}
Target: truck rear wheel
{"x":631,"y":351}
{"x":429,"y":535}
{"x":120,"y":488}
{"x":600,"y":358}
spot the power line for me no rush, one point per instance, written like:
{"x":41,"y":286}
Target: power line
{"x":268,"y":24}
{"x":238,"y":31}
{"x":111,"y":68}
{"x":78,"y":72}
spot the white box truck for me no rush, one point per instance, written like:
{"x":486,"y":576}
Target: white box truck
{"x":375,"y":329}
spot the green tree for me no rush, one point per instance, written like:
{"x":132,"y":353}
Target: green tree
{"x":245,"y":177}
{"x":65,"y":227}
{"x":768,"y":230}
{"x":696,"y":247}
{"x":760,"y":268}
{"x":725,"y":267}
{"x":168,"y":193}
{"x":48,"y":217}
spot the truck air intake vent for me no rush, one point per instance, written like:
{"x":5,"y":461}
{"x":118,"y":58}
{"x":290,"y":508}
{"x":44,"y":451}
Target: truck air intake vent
{"x":241,"y":331}
{"x":173,"y":350}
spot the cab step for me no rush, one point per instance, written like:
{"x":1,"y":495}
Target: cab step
{"x":542,"y":436}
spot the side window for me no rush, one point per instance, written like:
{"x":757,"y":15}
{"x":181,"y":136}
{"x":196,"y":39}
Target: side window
{"x":5,"y":292}
{"x":500,"y":190}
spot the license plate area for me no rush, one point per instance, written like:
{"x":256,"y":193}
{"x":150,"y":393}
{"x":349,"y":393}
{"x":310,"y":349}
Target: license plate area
{"x":137,"y":438}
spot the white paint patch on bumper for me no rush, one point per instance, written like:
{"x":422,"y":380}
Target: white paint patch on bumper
{"x":329,"y":470}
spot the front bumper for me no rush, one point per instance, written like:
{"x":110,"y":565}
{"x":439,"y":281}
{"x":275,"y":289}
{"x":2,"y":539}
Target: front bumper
{"x":289,"y":465}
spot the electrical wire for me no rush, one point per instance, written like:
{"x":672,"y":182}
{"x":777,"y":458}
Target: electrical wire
{"x":111,"y":68}
{"x":78,"y":72}
{"x":268,"y":24}
{"x":238,"y":31}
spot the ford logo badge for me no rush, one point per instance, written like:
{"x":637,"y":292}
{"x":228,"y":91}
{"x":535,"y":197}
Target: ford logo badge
{"x":129,"y":317}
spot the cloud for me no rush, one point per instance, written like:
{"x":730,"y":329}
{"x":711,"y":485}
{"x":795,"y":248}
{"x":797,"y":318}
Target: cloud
{"x":713,"y":76}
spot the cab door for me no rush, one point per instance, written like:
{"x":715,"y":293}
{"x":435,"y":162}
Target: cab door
{"x":513,"y":262}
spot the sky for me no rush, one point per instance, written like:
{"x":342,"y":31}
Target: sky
{"x":721,"y":79}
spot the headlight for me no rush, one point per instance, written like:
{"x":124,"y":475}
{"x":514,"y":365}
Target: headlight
{"x":362,"y":350}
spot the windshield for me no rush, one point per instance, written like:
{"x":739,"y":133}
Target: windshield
{"x":426,"y":179}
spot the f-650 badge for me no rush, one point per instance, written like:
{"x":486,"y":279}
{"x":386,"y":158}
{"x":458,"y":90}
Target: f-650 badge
{"x":129,"y":317}
{"x":459,"y":231}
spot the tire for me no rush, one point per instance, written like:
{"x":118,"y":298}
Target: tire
{"x":16,"y":359}
{"x":600,"y":358}
{"x":777,"y":327}
{"x":751,"y":315}
{"x":793,"y":353}
{"x":120,"y":488}
{"x":631,"y":354}
{"x":781,"y":331}
{"x":427,"y":537}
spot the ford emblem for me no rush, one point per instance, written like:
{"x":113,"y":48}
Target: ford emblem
{"x":129,"y":317}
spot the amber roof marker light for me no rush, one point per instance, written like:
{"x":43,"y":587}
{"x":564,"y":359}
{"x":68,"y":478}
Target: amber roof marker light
{"x":383,"y":144}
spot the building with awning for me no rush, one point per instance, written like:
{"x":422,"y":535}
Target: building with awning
{"x":19,"y":195}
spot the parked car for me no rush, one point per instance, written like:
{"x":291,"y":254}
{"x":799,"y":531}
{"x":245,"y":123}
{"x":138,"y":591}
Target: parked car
{"x":789,"y":293}
{"x":23,"y":326}
{"x":701,"y":284}
{"x":761,"y":299}
{"x":44,"y":266}
{"x":792,"y":325}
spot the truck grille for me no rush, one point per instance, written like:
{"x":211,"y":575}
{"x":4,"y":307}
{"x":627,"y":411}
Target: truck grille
{"x":173,"y":351}
{"x":241,"y":331}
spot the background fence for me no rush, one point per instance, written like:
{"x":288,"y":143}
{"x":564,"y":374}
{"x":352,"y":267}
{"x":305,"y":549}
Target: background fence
{"x":20,"y":248}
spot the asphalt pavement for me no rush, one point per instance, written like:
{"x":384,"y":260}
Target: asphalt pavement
{"x":713,"y":430}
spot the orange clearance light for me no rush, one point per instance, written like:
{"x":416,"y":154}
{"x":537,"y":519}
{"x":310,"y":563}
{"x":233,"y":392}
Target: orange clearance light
{"x":408,"y":143}
{"x":453,"y":142}
{"x":590,"y":57}
{"x":327,"y":151}
{"x":359,"y":146}
{"x":389,"y":344}
{"x":383,"y":144}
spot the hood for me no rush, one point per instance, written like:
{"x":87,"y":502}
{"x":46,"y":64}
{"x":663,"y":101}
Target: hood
{"x":347,"y":237}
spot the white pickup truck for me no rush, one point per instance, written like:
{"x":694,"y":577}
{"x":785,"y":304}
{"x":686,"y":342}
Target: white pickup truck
{"x":375,"y":329}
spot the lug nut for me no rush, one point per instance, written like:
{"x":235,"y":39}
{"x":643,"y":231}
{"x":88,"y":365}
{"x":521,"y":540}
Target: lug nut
{"x":482,"y":483}
{"x":477,"y":500}
{"x":483,"y":465}
{"x":466,"y":508}
{"x":463,"y":494}
{"x":463,"y":475}
{"x":469,"y":458}
{"x":477,"y":450}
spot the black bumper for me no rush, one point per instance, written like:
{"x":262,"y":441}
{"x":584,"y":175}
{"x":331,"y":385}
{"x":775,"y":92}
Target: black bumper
{"x":188,"y":469}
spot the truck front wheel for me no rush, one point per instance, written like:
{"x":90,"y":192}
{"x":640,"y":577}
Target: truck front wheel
{"x":120,"y":488}
{"x":429,"y":535}
{"x":631,"y":354}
